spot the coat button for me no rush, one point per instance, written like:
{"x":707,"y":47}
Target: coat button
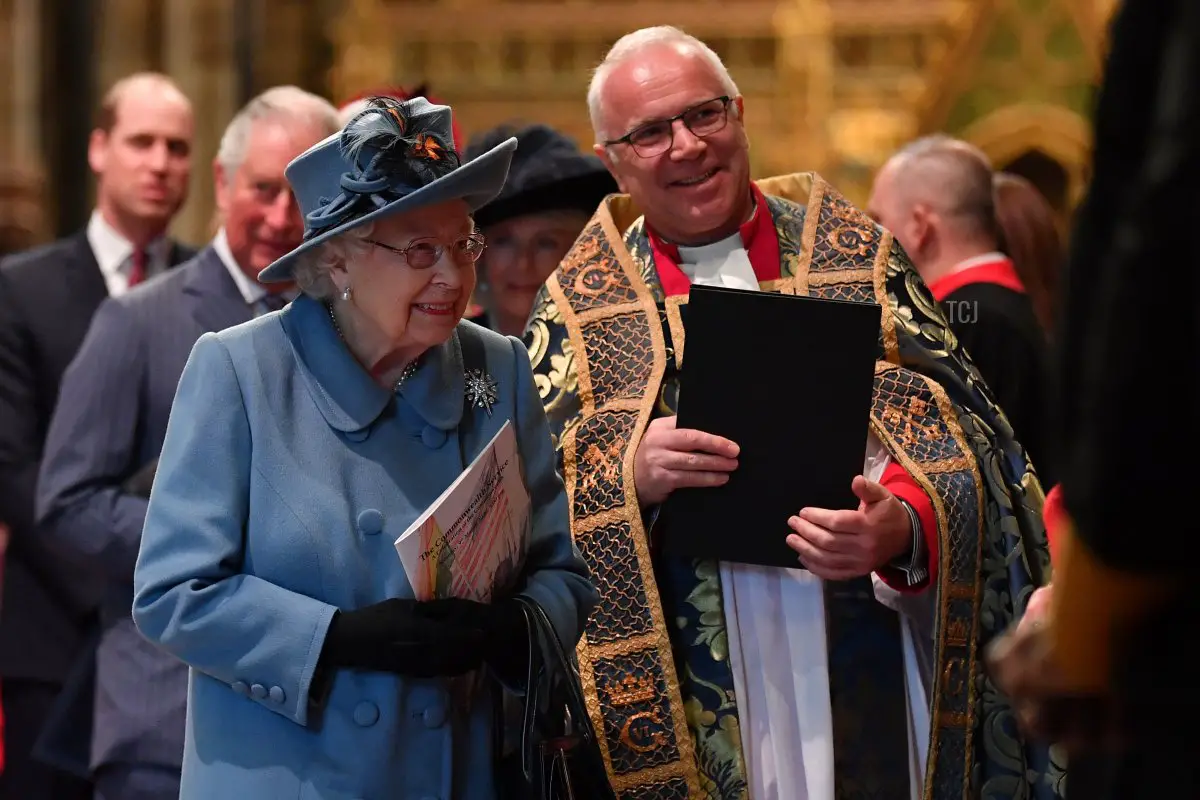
{"x":370,"y":521}
{"x":258,"y":691}
{"x":242,"y":688}
{"x":433,"y":438}
{"x":434,"y":716}
{"x":277,"y":695}
{"x":366,"y":714}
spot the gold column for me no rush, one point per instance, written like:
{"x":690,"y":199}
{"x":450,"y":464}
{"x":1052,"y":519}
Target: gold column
{"x":282,"y":47}
{"x":198,"y":51}
{"x":25,"y":29}
{"x":124,"y":41}
{"x":22,"y":200}
{"x":804,"y":102}
{"x":8,"y":66}
{"x":364,"y":48}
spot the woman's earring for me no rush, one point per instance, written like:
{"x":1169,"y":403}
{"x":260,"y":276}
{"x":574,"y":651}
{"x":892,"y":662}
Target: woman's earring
{"x":346,"y":293}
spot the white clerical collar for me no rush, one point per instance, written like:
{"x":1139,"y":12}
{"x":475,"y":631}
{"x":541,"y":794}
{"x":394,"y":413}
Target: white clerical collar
{"x":695,"y":254}
{"x":114,"y":253}
{"x":722,"y":263}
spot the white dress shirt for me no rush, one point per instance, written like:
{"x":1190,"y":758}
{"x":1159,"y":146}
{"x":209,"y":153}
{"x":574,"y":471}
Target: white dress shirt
{"x":253,"y":291}
{"x":114,"y":254}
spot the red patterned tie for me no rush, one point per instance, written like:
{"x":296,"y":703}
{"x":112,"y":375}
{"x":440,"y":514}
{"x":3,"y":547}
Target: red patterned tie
{"x":137,"y":272}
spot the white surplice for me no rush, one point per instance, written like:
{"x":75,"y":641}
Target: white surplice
{"x":776,"y":626}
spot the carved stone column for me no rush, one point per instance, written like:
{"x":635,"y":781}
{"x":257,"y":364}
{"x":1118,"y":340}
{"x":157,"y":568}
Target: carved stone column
{"x":282,"y":51}
{"x":20,"y":60}
{"x":24,"y":218}
{"x":364,"y":45}
{"x":126,"y":41}
{"x":198,"y":52}
{"x":8,"y":66}
{"x":26,"y":58}
{"x":804,"y":97}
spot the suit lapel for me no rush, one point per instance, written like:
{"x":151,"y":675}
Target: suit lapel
{"x":179,"y":254}
{"x":86,"y":279}
{"x":213,"y":298}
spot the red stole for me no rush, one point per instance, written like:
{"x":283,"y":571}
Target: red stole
{"x":1000,"y":272}
{"x":758,"y":237}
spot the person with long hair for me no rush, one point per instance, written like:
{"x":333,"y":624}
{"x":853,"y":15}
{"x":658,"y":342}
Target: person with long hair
{"x":1031,"y":239}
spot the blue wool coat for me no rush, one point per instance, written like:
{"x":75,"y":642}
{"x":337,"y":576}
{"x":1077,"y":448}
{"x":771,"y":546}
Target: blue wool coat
{"x":285,"y":477}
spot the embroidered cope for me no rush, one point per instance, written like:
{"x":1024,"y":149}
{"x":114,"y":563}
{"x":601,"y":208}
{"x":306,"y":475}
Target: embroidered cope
{"x":664,"y":659}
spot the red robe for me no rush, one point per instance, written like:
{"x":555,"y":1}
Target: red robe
{"x":1055,"y":516}
{"x":1000,"y":272}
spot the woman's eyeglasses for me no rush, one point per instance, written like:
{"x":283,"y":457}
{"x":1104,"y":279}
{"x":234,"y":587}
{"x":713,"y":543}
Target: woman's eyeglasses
{"x":657,"y":137}
{"x":424,"y":252}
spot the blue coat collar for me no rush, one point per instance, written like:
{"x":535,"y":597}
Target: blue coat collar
{"x":347,"y":396}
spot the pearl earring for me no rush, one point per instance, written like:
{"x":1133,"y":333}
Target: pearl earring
{"x":346,"y":293}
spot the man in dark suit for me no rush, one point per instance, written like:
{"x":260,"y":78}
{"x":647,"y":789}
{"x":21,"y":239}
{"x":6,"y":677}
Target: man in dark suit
{"x":935,"y":195}
{"x":140,"y":151}
{"x":107,"y":430}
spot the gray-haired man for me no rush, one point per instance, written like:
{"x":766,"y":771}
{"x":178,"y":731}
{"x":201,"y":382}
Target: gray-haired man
{"x":102,"y":445}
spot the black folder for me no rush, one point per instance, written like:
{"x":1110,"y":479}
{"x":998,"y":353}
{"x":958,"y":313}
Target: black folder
{"x":789,"y":379}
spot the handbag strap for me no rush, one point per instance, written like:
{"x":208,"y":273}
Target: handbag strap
{"x":549,"y":667}
{"x":564,"y":667}
{"x":533,"y":686}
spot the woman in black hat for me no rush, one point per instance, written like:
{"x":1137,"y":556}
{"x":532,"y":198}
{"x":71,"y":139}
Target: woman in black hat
{"x":552,"y":190}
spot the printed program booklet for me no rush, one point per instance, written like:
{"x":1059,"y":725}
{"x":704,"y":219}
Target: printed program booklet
{"x":471,"y":543}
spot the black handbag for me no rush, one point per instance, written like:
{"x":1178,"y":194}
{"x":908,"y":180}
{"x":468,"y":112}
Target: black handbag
{"x":557,"y":756}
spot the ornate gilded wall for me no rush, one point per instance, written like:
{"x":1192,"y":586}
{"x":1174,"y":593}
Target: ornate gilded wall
{"x":830,"y":85}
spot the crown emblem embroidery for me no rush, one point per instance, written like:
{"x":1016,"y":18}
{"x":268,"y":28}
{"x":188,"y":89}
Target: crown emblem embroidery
{"x":631,"y":690}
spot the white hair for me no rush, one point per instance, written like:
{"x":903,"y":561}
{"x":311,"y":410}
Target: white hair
{"x":631,"y":44}
{"x":312,"y":269}
{"x":289,"y":105}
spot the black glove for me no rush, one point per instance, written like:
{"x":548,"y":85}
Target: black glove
{"x":395,"y":636}
{"x":140,"y":482}
{"x":505,"y":630}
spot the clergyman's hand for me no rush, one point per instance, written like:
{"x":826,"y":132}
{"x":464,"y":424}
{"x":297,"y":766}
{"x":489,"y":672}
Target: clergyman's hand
{"x":839,"y":545}
{"x":669,"y":458}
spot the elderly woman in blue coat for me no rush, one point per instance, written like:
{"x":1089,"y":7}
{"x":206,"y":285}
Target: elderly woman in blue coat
{"x":301,"y":445}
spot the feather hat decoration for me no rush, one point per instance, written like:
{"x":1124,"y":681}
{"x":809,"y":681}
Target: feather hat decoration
{"x":358,"y":102}
{"x":399,"y":142}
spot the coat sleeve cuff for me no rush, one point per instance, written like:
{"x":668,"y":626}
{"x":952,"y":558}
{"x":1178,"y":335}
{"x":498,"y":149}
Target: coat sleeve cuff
{"x":916,"y":568}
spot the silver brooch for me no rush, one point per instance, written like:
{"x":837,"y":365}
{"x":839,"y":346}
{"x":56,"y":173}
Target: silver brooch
{"x":481,"y":390}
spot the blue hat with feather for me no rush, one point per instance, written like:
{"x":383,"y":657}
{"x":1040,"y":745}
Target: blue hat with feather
{"x":391,"y":158}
